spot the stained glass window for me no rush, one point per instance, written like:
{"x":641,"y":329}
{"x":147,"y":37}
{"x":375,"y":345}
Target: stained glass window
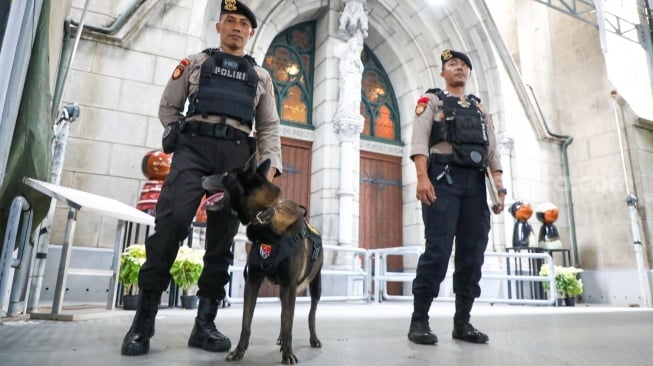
{"x":378,"y":101}
{"x":290,"y":61}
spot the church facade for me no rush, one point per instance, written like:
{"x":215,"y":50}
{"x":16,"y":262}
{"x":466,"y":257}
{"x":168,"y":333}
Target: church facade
{"x":347,"y":76}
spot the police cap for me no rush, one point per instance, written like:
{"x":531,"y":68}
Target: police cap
{"x":449,"y":54}
{"x":237,"y":7}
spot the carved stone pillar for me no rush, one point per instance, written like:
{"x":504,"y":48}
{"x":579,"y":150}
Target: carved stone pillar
{"x":348,"y":122}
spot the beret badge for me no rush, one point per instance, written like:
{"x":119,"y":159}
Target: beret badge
{"x":230,"y":5}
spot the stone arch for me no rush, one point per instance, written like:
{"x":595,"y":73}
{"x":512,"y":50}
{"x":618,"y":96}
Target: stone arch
{"x":408,"y":39}
{"x":279,"y":16}
{"x":406,"y":36}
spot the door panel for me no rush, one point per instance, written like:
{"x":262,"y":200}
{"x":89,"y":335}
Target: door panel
{"x":381,"y":207}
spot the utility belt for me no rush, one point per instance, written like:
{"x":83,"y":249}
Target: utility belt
{"x":441,"y":158}
{"x":219,"y":131}
{"x":449,"y":159}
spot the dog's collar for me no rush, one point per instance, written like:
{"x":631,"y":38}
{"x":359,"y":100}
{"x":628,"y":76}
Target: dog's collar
{"x":264,"y":217}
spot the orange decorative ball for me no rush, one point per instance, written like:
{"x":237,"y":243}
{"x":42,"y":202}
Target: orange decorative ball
{"x":521,"y":210}
{"x":547,"y":213}
{"x":156,"y":165}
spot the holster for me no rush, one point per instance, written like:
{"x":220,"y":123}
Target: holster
{"x":171,"y":137}
{"x":251,"y":142}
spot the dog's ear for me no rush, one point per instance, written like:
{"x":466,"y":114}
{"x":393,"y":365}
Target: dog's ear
{"x":264,"y":167}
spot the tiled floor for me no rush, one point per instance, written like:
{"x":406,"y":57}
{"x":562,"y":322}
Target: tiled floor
{"x":353,"y":334}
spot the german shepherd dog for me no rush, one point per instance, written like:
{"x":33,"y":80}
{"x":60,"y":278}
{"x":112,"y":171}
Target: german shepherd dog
{"x":280,"y":238}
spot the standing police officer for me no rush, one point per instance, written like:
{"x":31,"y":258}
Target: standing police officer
{"x":453,"y":142}
{"x":227,"y":92}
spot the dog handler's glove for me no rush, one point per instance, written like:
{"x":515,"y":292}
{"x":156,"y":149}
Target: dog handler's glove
{"x":170,"y":136}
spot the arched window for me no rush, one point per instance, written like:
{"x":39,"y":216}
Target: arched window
{"x":290,"y":61}
{"x":378,"y":102}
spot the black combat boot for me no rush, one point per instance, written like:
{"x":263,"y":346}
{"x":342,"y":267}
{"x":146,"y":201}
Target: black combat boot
{"x":462,"y":328}
{"x":419,"y":331}
{"x":205,"y":335}
{"x":137,"y":339}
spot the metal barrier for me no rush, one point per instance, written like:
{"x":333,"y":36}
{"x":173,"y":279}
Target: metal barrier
{"x":382,"y":276}
{"x":358,"y":255}
{"x":20,"y":210}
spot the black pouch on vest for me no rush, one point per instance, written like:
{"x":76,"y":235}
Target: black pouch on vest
{"x":469,"y":155}
{"x":170,"y":137}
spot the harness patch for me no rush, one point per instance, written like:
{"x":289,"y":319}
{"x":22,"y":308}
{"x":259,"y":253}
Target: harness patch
{"x":265,"y":251}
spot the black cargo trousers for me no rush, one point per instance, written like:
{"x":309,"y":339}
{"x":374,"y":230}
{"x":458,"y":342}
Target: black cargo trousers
{"x":461,"y":211}
{"x":198,"y":154}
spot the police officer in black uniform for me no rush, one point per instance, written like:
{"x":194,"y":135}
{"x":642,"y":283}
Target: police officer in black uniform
{"x":229,"y":96}
{"x":453,"y":143}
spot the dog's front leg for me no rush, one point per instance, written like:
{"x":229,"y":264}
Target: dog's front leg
{"x":252,"y":286}
{"x":288,"y":296}
{"x":316,"y":292}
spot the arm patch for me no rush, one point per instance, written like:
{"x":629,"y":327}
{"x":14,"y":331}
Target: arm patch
{"x":421,"y":105}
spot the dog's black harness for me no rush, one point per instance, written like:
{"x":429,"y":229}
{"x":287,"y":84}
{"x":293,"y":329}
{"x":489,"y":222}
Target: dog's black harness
{"x":267,"y":258}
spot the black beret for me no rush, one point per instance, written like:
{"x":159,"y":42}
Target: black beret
{"x":449,"y":54}
{"x":237,"y":7}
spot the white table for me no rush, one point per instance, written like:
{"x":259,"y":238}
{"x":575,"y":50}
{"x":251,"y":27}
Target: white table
{"x":79,"y":201}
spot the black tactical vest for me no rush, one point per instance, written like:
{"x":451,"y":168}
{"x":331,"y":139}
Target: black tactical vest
{"x":464,"y":127}
{"x":266,"y":258}
{"x":227,"y":87}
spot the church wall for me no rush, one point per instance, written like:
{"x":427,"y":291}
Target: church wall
{"x":118,"y":89}
{"x":562,"y":58}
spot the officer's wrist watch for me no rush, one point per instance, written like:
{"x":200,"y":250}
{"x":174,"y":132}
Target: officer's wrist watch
{"x":502,"y":190}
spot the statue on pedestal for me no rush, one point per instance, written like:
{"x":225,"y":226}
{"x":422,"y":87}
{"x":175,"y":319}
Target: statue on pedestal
{"x":353,"y":16}
{"x":549,"y":238}
{"x":522,"y":234}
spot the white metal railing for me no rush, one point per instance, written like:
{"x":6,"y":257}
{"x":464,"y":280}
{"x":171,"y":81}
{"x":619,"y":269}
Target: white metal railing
{"x":360,"y":269}
{"x":382,"y":276}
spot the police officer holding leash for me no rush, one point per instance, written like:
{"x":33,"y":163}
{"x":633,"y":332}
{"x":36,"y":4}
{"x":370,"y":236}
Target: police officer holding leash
{"x":453,"y":142}
{"x":227,"y":92}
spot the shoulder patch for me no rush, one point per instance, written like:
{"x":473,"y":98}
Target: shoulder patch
{"x":421,"y":105}
{"x":179,"y":70}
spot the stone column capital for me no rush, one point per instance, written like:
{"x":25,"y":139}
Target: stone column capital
{"x":349,"y":128}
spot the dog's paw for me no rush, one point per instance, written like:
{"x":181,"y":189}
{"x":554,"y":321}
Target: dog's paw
{"x":288,"y":358}
{"x":315,"y":342}
{"x":236,"y":355}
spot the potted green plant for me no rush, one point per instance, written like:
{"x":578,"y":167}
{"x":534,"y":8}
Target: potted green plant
{"x":186,"y":271}
{"x":568,"y":285}
{"x":131,"y":261}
